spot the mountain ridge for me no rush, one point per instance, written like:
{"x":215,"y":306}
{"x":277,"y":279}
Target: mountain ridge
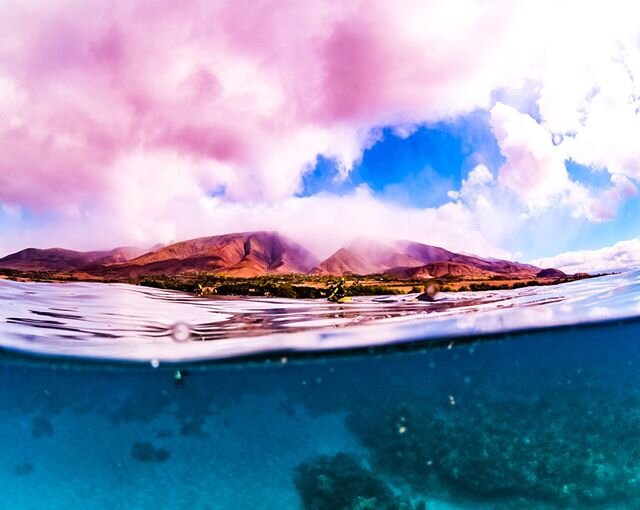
{"x":61,"y":259}
{"x":397,"y":257}
{"x":256,"y":253}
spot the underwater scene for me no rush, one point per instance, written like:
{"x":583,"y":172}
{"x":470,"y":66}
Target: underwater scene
{"x":544,"y":416}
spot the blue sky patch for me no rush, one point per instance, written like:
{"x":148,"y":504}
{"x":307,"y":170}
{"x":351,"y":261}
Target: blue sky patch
{"x":417,"y":170}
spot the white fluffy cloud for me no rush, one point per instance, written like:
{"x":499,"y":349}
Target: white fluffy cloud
{"x":622,"y":255}
{"x":479,"y":177}
{"x":322,"y":222}
{"x":535,"y":168}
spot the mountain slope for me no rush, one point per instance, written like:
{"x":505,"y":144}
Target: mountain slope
{"x":551,"y":273}
{"x":244,"y":254}
{"x":399,"y":257}
{"x":364,"y":256}
{"x":58,"y":259}
{"x":439,"y":270}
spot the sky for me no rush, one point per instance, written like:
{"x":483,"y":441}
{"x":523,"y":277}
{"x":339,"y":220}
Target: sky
{"x":506,"y":129}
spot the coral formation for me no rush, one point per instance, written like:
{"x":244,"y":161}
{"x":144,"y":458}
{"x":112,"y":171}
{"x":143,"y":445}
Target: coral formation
{"x":504,"y":449}
{"x":145,"y":452}
{"x":341,"y":482}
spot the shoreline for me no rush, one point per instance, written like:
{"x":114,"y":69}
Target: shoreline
{"x":296,"y":286}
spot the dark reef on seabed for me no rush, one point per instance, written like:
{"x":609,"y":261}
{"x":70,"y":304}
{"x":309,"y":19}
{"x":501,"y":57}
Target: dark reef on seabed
{"x":341,"y":482}
{"x":530,"y":428}
{"x":504,"y":449}
{"x":145,"y":452}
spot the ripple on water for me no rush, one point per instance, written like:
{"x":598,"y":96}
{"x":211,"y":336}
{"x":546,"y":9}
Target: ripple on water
{"x":127,"y":322}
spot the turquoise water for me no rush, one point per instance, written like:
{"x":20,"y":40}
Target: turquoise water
{"x":518,"y":417}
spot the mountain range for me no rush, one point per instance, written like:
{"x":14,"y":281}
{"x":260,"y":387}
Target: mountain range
{"x":249,"y":254}
{"x":59,"y":259}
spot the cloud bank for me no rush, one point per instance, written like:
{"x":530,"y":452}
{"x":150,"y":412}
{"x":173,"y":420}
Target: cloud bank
{"x":146,"y":121}
{"x":622,"y":255}
{"x":236,"y":95}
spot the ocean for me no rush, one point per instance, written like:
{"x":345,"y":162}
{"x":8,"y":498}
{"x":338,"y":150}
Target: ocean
{"x":122,"y":397}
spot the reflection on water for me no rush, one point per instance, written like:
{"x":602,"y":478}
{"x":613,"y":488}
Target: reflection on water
{"x":128,"y":322}
{"x":547,"y":419}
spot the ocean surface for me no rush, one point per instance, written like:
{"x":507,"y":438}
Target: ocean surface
{"x":123,"y":397}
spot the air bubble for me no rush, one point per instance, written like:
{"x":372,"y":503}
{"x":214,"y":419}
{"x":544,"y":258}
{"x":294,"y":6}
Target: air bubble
{"x":180,"y":332}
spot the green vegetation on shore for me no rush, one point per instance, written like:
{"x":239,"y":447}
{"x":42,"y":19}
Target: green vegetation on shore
{"x":284,"y":286}
{"x":297,"y":286}
{"x":315,"y":287}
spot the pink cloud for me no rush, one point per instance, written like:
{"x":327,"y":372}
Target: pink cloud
{"x":606,"y":205}
{"x":534,"y":168}
{"x":245,"y":93}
